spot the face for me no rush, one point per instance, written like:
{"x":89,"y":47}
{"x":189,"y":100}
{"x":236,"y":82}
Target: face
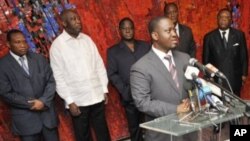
{"x":127,"y":30}
{"x":18,"y":44}
{"x":72,"y":24}
{"x":172,"y":13}
{"x":224,"y":20}
{"x":165,"y":35}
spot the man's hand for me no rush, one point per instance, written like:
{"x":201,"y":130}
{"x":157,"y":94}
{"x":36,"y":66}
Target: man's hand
{"x":74,"y":109}
{"x":184,"y":106}
{"x":106,"y":98}
{"x":36,"y":104}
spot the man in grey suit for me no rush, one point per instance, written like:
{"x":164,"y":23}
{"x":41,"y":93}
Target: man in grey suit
{"x":28,"y":86}
{"x":157,"y":79}
{"x":186,"y":39}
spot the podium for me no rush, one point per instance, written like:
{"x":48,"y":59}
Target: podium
{"x":181,"y":124}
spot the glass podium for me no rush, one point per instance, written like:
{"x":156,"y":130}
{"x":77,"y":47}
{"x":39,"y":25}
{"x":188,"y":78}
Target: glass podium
{"x":181,"y":124}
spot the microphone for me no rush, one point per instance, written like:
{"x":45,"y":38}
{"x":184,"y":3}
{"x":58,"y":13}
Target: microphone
{"x":205,"y":92}
{"x":217,"y":103}
{"x":190,"y":71}
{"x":194,"y":62}
{"x":215,"y":70}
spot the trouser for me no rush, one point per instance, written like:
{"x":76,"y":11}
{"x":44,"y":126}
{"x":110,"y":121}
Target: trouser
{"x":94,"y":114}
{"x":133,"y":117}
{"x":45,"y":135}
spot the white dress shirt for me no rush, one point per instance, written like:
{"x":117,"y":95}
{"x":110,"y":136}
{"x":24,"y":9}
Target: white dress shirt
{"x":78,"y":70}
{"x":226,"y":35}
{"x":162,"y":56}
{"x":177,"y":29}
{"x":17,"y":58}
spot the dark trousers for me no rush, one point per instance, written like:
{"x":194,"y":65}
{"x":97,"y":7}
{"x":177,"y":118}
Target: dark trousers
{"x":134,"y":118}
{"x":94,"y":115}
{"x":45,"y":135}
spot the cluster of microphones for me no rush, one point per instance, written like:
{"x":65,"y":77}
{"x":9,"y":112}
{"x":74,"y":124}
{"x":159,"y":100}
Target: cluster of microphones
{"x":206,"y":90}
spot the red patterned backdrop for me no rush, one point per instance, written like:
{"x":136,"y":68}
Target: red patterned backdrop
{"x":100,"y":19}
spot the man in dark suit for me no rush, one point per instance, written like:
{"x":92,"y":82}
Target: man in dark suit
{"x":186,"y":39}
{"x":226,"y":49}
{"x":157,"y":79}
{"x":120,"y":59}
{"x":28,"y":86}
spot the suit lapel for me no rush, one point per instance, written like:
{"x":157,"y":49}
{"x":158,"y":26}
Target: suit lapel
{"x":31,"y":63}
{"x":158,"y":64}
{"x":181,"y":31}
{"x":16,"y":66}
{"x":219,"y":40}
{"x":179,"y":69}
{"x":231,"y":36}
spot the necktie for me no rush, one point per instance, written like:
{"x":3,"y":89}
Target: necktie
{"x":23,"y":65}
{"x":172,"y":70}
{"x":224,"y":39}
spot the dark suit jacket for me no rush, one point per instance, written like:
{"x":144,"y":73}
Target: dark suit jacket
{"x":155,"y":92}
{"x":186,"y":40}
{"x":233,"y":60}
{"x":120,"y":59}
{"x":16,"y":88}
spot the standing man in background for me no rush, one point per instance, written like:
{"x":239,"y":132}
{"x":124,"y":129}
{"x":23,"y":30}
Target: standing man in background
{"x":157,"y":79}
{"x":120,"y":59}
{"x":186,"y":39}
{"x":225,"y":48}
{"x":28,"y":86}
{"x":81,"y":78}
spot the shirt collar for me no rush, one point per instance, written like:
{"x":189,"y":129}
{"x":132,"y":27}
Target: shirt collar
{"x":67,"y":37}
{"x":17,"y":57}
{"x":227,"y":31}
{"x":177,"y":29}
{"x":162,"y":54}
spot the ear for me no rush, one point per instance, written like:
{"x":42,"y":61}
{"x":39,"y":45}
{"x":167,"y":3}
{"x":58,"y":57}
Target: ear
{"x":64,"y":23}
{"x":8,"y":44}
{"x":155,"y":36}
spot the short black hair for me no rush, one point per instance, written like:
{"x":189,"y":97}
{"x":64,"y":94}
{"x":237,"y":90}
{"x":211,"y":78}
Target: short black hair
{"x":121,"y":23}
{"x":153,"y":23}
{"x":167,"y":5}
{"x":223,"y":10}
{"x":11,"y":32}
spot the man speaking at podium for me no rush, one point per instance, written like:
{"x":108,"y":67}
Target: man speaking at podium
{"x":157,"y":79}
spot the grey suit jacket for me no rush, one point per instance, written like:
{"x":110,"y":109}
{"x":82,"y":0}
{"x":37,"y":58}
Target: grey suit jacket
{"x":154,"y":91}
{"x":16,"y":88}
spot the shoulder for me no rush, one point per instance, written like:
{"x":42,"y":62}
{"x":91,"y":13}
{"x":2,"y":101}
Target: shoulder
{"x":85,"y":36}
{"x":143,"y":43}
{"x":4,"y":60}
{"x":114,"y":47}
{"x":211,"y":33}
{"x":36,"y":56}
{"x":143,"y":61}
{"x":185,"y":27}
{"x":237,"y":31}
{"x":181,"y":55}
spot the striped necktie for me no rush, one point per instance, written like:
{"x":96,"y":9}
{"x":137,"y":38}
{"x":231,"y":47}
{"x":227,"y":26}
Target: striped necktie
{"x":172,"y":70}
{"x":23,"y":65}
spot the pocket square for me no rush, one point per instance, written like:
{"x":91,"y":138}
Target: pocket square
{"x":236,"y":44}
